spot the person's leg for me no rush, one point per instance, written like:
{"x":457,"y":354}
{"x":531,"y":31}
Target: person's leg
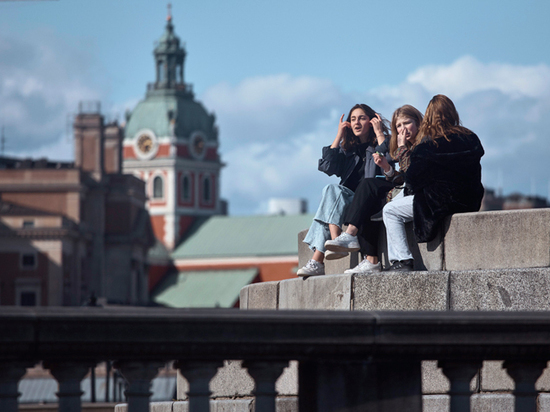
{"x":326,"y":225}
{"x":366,"y":201}
{"x":396,"y":213}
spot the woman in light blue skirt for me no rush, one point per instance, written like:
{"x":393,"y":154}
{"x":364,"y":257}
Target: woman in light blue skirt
{"x":349,"y":157}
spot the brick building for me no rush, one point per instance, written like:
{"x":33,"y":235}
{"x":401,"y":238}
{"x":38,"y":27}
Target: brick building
{"x":74,"y":232}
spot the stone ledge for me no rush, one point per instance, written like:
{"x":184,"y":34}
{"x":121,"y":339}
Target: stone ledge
{"x":469,"y":241}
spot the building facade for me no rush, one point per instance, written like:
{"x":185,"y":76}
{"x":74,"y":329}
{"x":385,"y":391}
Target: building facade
{"x":72,"y":233}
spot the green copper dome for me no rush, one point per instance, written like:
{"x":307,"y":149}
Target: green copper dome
{"x":169,"y":107}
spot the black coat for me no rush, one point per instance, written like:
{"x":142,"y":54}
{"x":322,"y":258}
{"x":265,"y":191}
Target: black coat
{"x":342,"y":164}
{"x":445,"y":179}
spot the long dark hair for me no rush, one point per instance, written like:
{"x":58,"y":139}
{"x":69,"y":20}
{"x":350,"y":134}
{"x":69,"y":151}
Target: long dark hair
{"x":349,"y":141}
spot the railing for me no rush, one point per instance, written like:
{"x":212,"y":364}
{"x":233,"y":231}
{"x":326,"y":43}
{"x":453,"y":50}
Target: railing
{"x":348,"y":361}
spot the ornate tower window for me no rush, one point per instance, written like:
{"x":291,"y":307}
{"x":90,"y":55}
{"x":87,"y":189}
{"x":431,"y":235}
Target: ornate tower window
{"x":185,"y":188}
{"x":207,"y":189}
{"x":158,"y":187}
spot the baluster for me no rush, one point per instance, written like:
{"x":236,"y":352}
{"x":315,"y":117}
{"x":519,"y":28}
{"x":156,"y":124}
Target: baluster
{"x":198,"y":374}
{"x":139,"y":376}
{"x":68,"y":376}
{"x":265,"y":375}
{"x":525,"y":374}
{"x":460,"y":374}
{"x":10,"y":374}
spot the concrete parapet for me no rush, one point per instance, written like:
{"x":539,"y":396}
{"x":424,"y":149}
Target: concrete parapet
{"x":498,"y":240}
{"x":265,"y":295}
{"x":316,"y":292}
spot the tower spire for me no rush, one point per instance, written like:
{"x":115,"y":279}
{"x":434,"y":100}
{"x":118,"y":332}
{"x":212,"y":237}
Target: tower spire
{"x":169,"y":17}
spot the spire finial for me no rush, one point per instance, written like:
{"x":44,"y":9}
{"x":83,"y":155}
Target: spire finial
{"x":169,"y":17}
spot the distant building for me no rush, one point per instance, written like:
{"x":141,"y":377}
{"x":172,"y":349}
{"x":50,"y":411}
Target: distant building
{"x":72,"y":233}
{"x":226,"y":253}
{"x":493,"y":201}
{"x":171,"y":142}
{"x":278,"y":206}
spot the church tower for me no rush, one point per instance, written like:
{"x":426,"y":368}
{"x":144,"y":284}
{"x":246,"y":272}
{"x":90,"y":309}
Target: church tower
{"x":171,"y":142}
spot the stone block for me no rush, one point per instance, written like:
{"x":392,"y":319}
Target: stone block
{"x":327,"y":292}
{"x":436,"y":403}
{"x":231,"y":405}
{"x":263,"y":295}
{"x":498,"y":240}
{"x":338,"y":266}
{"x":287,"y":384}
{"x":544,"y":402}
{"x":304,"y":252}
{"x":482,"y":402}
{"x":161,"y":406}
{"x":543,"y":383}
{"x":287,"y":404}
{"x":433,"y":380}
{"x":495,"y":378}
{"x":505,"y":289}
{"x":232,"y":380}
{"x":401,"y":291}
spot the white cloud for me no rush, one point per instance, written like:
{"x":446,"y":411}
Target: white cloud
{"x":41,"y":84}
{"x":467,"y":75}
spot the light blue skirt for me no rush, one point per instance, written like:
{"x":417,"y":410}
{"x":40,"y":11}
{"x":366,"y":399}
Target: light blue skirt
{"x":331,"y":210}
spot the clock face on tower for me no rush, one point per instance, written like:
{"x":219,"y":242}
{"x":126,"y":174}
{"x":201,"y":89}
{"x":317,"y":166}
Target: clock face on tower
{"x":198,"y":145}
{"x":146,"y":144}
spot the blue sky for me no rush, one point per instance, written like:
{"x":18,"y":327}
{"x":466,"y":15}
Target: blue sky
{"x":279,"y":74}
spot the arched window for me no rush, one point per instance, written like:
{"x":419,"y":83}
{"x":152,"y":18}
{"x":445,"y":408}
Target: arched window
{"x":158,"y":187}
{"x":206,"y":191}
{"x":185,"y":188}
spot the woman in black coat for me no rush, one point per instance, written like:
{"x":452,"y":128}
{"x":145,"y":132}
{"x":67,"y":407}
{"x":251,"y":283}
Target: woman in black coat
{"x":444,"y":177}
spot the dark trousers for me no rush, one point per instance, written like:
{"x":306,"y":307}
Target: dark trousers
{"x":369,"y":199}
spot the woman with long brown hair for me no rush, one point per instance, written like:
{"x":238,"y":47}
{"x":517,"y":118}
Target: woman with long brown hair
{"x":350,"y":157}
{"x":444,"y":177}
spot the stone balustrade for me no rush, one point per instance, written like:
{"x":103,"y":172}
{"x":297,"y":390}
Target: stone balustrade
{"x":348,"y":360}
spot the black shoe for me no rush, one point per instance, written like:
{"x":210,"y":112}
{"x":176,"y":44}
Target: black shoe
{"x":401,"y":266}
{"x":377,"y":217}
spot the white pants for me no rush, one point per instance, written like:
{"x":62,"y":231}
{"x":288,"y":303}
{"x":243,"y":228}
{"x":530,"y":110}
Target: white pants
{"x":396,"y":213}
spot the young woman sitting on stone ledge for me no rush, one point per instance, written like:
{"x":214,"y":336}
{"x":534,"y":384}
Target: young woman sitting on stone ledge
{"x":444,"y":177}
{"x":372,"y":193}
{"x":350,"y":157}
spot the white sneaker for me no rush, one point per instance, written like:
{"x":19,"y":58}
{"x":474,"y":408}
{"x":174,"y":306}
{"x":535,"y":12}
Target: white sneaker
{"x":330,"y":255}
{"x":365,"y":267}
{"x":343,"y":243}
{"x":312,"y":268}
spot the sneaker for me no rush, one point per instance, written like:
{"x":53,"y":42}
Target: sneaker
{"x":365,"y":267}
{"x":343,"y":243}
{"x":330,"y":255}
{"x":312,"y":268}
{"x":401,"y":266}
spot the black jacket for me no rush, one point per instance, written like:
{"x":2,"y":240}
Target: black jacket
{"x":445,"y":179}
{"x":341,"y":163}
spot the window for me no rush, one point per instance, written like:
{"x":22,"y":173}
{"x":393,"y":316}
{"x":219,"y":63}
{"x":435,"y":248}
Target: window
{"x":28,"y":261}
{"x":158,"y":187}
{"x":28,"y":223}
{"x":185,"y":188}
{"x":206,"y":190}
{"x":27,"y":299}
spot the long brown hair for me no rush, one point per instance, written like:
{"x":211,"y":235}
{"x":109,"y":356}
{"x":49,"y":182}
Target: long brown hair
{"x":349,"y":140}
{"x":405,"y":111}
{"x":441,"y":120}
